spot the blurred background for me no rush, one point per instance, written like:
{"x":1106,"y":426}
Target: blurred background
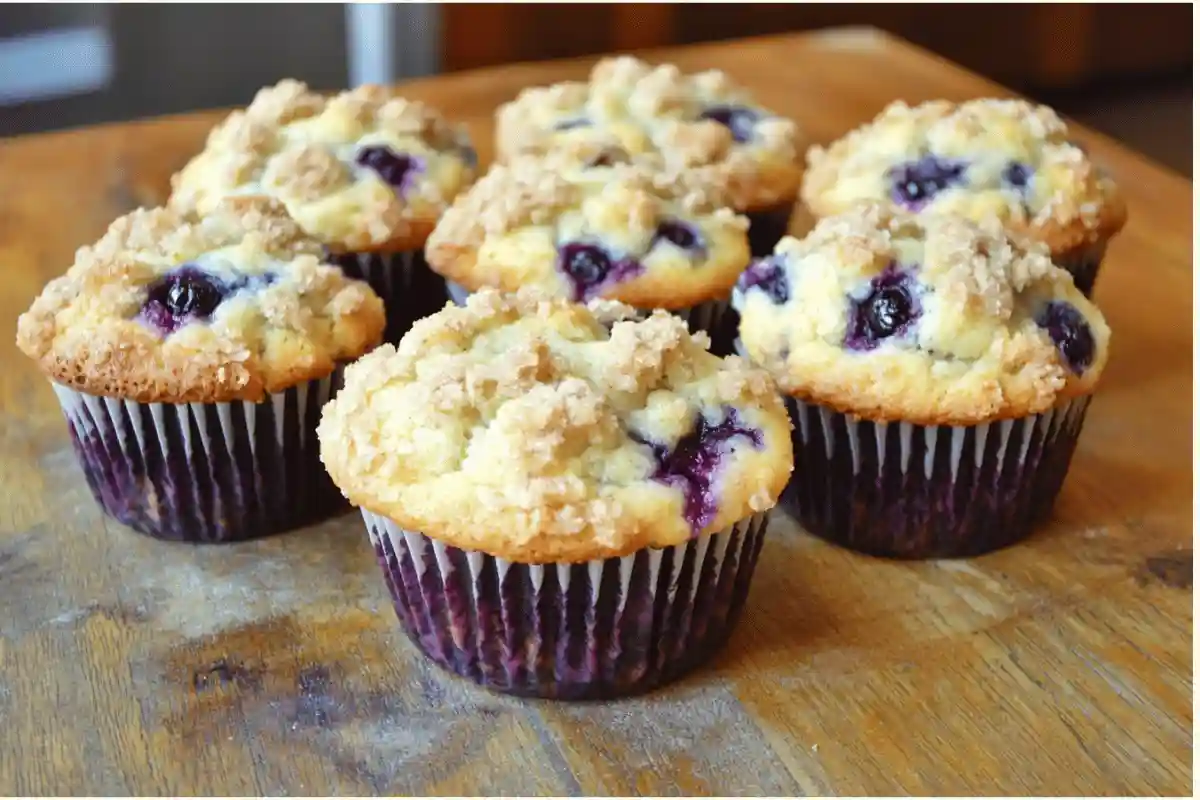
{"x":1125,"y":69}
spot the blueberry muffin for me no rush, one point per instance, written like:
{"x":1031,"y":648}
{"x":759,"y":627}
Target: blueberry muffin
{"x":937,"y":371}
{"x":366,"y":172}
{"x":984,"y":159}
{"x":701,"y":122}
{"x":617,"y":230}
{"x":566,"y":501}
{"x":192,"y":357}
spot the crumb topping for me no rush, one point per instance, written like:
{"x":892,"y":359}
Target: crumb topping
{"x":925,"y":318}
{"x":701,"y":120}
{"x":986,"y":158}
{"x":651,"y":236}
{"x":360,"y":170}
{"x":518,"y":425}
{"x":173,"y":308}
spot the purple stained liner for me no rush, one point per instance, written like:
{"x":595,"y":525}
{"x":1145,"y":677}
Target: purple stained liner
{"x":909,"y":491}
{"x":592,"y":630}
{"x":206,"y":472}
{"x":767,"y":227}
{"x":1084,"y":265}
{"x":716,"y":318}
{"x":410,"y":290}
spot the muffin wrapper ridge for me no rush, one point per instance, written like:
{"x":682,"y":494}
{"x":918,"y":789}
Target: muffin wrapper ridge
{"x":410,"y":290}
{"x":1084,"y":265}
{"x":715,"y":317}
{"x":591,"y":630}
{"x":206,"y":472}
{"x":909,"y":491}
{"x":767,"y":227}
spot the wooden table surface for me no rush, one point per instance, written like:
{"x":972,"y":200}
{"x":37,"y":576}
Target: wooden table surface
{"x":1062,"y":665}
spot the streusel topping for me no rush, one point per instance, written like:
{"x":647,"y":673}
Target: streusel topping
{"x":360,"y":170}
{"x":700,"y":121}
{"x":984,"y":159}
{"x":171,"y":308}
{"x":626,"y":231}
{"x":925,"y":318}
{"x":542,"y":430}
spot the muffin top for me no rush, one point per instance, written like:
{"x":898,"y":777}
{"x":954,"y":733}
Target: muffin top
{"x":167,"y":308}
{"x":926,"y":318}
{"x":1006,"y":159}
{"x":625,"y":231}
{"x":361,"y":170}
{"x":540,"y":430}
{"x":701,"y":121}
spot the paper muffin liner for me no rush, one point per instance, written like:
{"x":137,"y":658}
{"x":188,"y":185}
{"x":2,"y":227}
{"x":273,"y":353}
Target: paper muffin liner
{"x":206,"y":472}
{"x":1084,"y":265}
{"x":410,"y":290}
{"x":910,"y":491}
{"x":715,"y":317}
{"x":591,"y":630}
{"x":767,"y":227}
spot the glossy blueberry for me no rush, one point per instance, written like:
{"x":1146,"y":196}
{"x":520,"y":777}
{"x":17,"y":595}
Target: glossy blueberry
{"x":1016,"y":175}
{"x":1070,"y":333}
{"x":768,"y":275}
{"x":590,"y":267}
{"x":692,"y":464}
{"x":183,"y":296}
{"x":889,"y":309}
{"x":915,"y":183}
{"x":680,"y":234}
{"x":396,"y":169}
{"x":739,"y":119}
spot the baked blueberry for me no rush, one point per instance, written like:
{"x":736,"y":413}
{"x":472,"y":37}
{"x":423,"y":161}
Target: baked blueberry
{"x":693,"y":463}
{"x":589,"y":267}
{"x":738,"y":119}
{"x":1016,"y":175}
{"x":396,"y":169}
{"x":915,"y":183}
{"x":1070,"y":333}
{"x":680,"y":234}
{"x":889,"y":308}
{"x":768,"y":275}
{"x":572,"y":123}
{"x":181,"y":297}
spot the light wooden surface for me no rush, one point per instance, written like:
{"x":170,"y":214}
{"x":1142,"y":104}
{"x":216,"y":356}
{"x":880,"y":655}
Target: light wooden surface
{"x":1059,"y":666}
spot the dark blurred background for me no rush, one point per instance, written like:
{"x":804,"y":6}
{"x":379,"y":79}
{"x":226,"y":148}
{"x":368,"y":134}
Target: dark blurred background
{"x":1125,"y":69}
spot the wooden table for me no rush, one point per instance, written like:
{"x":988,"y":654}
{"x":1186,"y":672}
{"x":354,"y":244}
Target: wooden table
{"x":1059,"y":666}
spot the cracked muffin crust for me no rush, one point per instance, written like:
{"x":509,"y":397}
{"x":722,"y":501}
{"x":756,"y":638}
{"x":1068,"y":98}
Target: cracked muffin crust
{"x":363,"y":170}
{"x":619,"y":230}
{"x":984,"y":159}
{"x":930,"y":319}
{"x":701,"y":122}
{"x":540,"y":430}
{"x":172,"y":308}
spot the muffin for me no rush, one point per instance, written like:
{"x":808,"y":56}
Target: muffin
{"x":365,"y":172}
{"x":694,"y":122}
{"x":616,"y":230}
{"x":191,"y":358}
{"x":566,"y":502}
{"x":937,"y":372}
{"x":984,"y":159}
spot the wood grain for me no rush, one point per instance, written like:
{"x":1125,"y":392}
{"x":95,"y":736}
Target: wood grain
{"x":1060,"y":666}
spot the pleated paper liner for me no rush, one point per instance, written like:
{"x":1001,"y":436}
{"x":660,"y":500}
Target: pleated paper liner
{"x":1084,"y":265}
{"x":767,"y":227}
{"x":716,"y":318}
{"x":410,"y":290}
{"x":598,"y":629}
{"x":206,"y":472}
{"x":910,"y":491}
